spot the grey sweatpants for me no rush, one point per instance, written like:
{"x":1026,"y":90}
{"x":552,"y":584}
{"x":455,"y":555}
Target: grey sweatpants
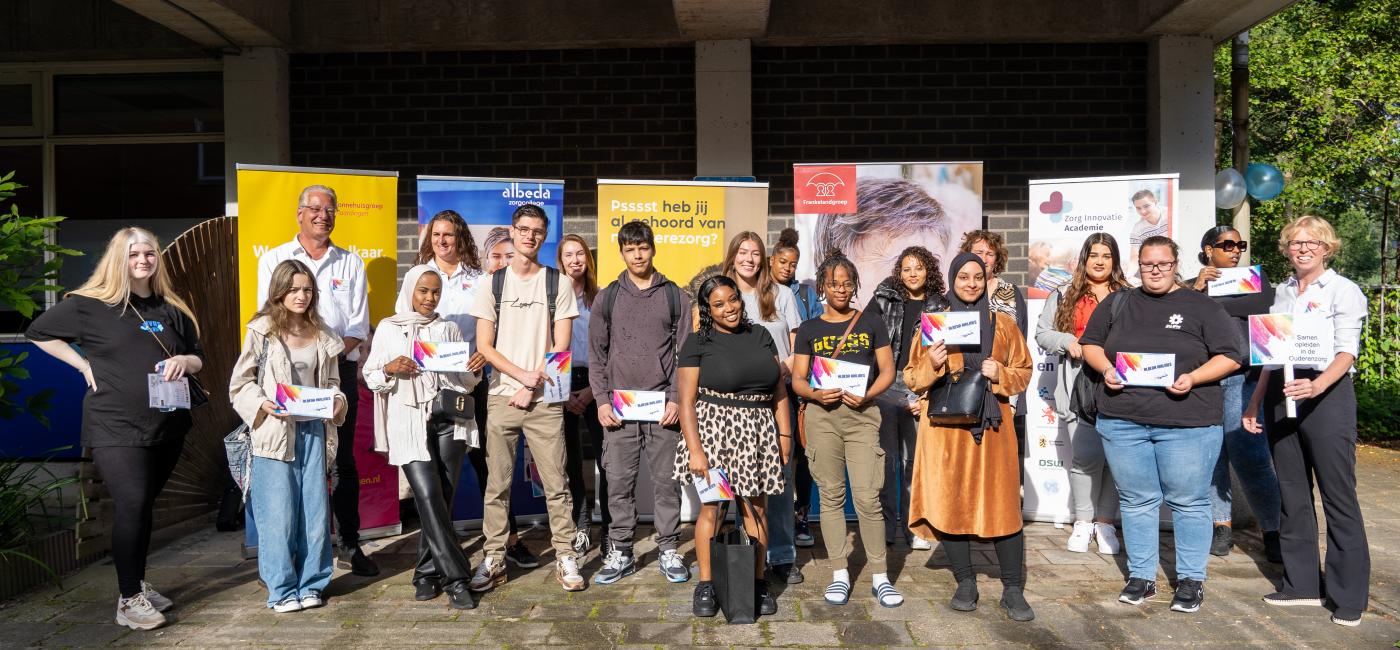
{"x":623,"y":450}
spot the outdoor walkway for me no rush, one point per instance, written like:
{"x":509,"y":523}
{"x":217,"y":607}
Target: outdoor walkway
{"x":219,"y":604}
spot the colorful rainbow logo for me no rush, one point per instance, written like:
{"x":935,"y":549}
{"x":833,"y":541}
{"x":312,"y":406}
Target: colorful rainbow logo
{"x":560,"y":362}
{"x":1311,"y":307}
{"x":1252,"y":282}
{"x":823,"y":370}
{"x":422,"y":351}
{"x":1264,"y":329}
{"x":623,"y":399}
{"x":932,"y":324}
{"x":287,"y":393}
{"x":721,"y":484}
{"x":1128,"y":362}
{"x":336,"y":283}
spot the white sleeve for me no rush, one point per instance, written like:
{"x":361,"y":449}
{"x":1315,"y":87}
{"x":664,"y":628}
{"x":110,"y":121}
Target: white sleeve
{"x":1348,"y":315}
{"x":357,"y":320}
{"x":266,"y":263}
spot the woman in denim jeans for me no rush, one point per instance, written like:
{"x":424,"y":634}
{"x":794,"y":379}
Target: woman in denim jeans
{"x":1221,"y":248}
{"x":1162,"y":435}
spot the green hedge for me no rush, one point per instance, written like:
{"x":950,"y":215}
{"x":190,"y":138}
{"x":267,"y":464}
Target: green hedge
{"x":1378,"y":368}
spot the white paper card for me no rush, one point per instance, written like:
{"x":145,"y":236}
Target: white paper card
{"x":1146,"y":369}
{"x":1298,"y":339}
{"x":1236,"y":281}
{"x":951,"y":327}
{"x":828,"y":373}
{"x":558,"y":367}
{"x":714,"y":486}
{"x":305,"y":401}
{"x":168,"y":394}
{"x":442,"y":356}
{"x":639,"y":405}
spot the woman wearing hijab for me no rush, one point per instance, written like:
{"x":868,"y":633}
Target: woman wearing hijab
{"x":429,"y":447}
{"x":966,"y":482}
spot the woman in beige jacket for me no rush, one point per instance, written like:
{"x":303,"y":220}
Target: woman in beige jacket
{"x":290,"y":453}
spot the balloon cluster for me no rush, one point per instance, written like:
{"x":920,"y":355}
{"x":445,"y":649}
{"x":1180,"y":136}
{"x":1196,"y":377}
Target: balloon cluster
{"x":1259,"y":180}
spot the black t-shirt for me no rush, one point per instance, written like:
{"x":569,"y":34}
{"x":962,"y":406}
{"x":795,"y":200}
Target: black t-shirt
{"x":744,"y":362}
{"x":908,"y":328}
{"x":1185,"y":323}
{"x":818,"y":338}
{"x":122,"y":352}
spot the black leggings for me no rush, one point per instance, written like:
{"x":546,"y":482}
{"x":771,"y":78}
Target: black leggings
{"x":477,"y":455}
{"x":134,"y":476}
{"x":1011,"y":553}
{"x":575,"y":427}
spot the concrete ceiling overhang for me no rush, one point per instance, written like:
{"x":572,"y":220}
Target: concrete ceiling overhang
{"x":712,"y":20}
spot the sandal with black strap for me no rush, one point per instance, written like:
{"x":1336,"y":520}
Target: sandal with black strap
{"x":887,"y":595}
{"x":838,"y":593}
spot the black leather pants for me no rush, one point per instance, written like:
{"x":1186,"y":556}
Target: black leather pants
{"x":434,"y":482}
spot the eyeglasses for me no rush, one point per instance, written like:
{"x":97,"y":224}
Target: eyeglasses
{"x":1229,"y":245}
{"x":316,"y":209}
{"x":1160,"y":266}
{"x":1305,"y":245}
{"x":841,"y":286}
{"x":526,"y":231}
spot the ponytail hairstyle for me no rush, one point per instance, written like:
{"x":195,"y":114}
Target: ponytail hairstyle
{"x":702,"y":302}
{"x":836,"y":260}
{"x":1208,"y":239}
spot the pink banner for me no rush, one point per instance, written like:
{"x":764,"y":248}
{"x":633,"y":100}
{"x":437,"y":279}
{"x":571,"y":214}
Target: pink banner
{"x":379,"y":481}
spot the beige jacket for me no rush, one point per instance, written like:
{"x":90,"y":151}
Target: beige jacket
{"x":271,"y":436}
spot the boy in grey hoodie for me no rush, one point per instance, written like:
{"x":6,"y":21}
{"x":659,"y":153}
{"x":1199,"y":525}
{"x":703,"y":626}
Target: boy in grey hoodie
{"x":637,"y":351}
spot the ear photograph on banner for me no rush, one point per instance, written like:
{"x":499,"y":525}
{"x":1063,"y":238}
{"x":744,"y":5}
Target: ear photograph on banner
{"x":871,"y":212}
{"x":486,"y":204}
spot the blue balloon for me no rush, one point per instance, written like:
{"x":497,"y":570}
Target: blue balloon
{"x":1263,"y":181}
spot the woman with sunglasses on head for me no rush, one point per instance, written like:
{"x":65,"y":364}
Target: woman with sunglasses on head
{"x":1319,"y":445}
{"x":1162,"y":442}
{"x":1221,"y":248}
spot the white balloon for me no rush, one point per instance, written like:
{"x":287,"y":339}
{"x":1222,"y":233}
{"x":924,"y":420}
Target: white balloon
{"x":1230,"y":190}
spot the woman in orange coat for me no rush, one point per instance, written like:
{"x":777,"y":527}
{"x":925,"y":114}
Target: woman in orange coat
{"x":966,"y":481}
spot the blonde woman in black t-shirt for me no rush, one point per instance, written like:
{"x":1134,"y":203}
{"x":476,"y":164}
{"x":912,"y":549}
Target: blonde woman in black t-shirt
{"x":128,"y":322}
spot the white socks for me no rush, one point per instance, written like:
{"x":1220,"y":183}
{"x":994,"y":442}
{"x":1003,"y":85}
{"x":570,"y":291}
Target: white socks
{"x":841,"y":575}
{"x":880,"y":579}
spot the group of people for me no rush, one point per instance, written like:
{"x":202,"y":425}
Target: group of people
{"x":734,"y":363}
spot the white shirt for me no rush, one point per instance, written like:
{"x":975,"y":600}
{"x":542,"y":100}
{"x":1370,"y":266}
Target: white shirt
{"x":578,"y":341}
{"x":458,"y":293}
{"x":1338,"y":299}
{"x":340,"y":279}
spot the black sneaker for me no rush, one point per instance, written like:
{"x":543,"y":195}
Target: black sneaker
{"x":361,"y":565}
{"x":965,"y":598}
{"x":520,"y":556}
{"x":1188,"y":597}
{"x":787,"y":573}
{"x":1273,"y":550}
{"x":1138,"y":591}
{"x":616,"y":566}
{"x":803,"y":532}
{"x":1347,"y":617}
{"x":426,"y":589}
{"x":767,"y":604}
{"x":1280,"y":599}
{"x":459,"y":596}
{"x":1013,"y":600}
{"x":1221,"y":541}
{"x":703,"y":603}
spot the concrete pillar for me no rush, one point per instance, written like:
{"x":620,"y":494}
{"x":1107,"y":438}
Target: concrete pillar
{"x":723,"y":108}
{"x":256,"y":115}
{"x":1181,"y":132}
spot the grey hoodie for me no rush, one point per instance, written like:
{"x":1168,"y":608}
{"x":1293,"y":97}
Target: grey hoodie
{"x":636,"y":351}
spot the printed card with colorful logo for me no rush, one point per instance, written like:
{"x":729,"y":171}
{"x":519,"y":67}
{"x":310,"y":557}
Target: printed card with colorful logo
{"x":828,"y":373}
{"x":558,"y":367}
{"x":639,"y":405}
{"x":1237,"y":281}
{"x":952,"y":328}
{"x":714,"y":486}
{"x":442,"y":356}
{"x":167,"y":395}
{"x":1146,"y":369}
{"x":1282,"y":339}
{"x":305,"y":401}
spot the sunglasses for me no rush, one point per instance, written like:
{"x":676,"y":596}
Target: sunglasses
{"x":1229,"y":245}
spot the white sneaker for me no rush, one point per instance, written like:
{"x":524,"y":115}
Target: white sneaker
{"x":311,"y":600}
{"x":161,"y":603}
{"x":1107,"y":538}
{"x":566,"y":569}
{"x":288,"y":604}
{"x":137,"y":613}
{"x":1079,"y":539}
{"x":920,"y":544}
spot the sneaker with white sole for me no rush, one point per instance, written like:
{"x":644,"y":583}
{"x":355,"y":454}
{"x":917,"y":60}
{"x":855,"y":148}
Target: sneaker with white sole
{"x":616,"y":566}
{"x":1106,"y":536}
{"x":1281,"y":599}
{"x":581,"y":541}
{"x":920,"y":544}
{"x":137,"y":613}
{"x":489,"y":574}
{"x":288,"y":604}
{"x":566,"y":570}
{"x":1079,"y":539}
{"x":672,"y":565}
{"x":161,"y":603}
{"x":311,"y":600}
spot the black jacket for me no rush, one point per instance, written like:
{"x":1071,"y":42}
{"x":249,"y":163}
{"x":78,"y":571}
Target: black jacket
{"x":889,"y":298}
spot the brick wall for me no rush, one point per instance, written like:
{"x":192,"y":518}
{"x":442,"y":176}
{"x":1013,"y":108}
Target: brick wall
{"x":1027,"y":111}
{"x":573,"y":114}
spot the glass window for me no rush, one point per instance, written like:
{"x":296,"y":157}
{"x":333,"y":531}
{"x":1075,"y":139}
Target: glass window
{"x":16,"y":104}
{"x":184,"y":102}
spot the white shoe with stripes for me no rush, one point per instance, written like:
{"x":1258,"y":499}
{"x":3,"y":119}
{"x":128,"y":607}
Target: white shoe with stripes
{"x":838,"y":593}
{"x":887,"y":595}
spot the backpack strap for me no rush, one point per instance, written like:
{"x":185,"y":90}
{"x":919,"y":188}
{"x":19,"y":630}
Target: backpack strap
{"x":498,"y":287}
{"x":551,"y":292}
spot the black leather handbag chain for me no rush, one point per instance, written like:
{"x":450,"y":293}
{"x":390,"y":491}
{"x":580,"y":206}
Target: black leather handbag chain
{"x":958,"y":397}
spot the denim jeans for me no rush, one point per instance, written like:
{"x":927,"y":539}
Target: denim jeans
{"x":782,"y":522}
{"x":1153,"y":464}
{"x":899,"y":431}
{"x":1249,"y":455}
{"x":291,"y":503}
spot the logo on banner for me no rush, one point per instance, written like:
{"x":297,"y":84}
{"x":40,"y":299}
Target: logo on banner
{"x":1056,"y":206}
{"x":824,"y":189}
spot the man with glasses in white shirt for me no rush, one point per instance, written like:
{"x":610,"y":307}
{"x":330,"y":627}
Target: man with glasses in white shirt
{"x":344,"y":306}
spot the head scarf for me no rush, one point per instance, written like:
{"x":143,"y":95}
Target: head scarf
{"x":424,"y":387}
{"x":973,"y":356}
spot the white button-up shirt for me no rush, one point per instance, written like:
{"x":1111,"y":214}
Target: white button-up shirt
{"x":458,"y":294}
{"x":340,"y":279}
{"x":1339,"y":301}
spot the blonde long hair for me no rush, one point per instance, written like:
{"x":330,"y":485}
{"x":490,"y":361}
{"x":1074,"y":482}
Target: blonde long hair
{"x":590,"y":272}
{"x":110,"y":282}
{"x":766,"y":290}
{"x":277,"y":289}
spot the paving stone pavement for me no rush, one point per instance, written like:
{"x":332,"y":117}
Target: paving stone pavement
{"x":219,"y":603}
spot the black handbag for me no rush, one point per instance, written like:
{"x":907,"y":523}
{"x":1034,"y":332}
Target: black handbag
{"x":958,"y":397}
{"x":1088,"y":384}
{"x":733,"y":555}
{"x":453,"y":405}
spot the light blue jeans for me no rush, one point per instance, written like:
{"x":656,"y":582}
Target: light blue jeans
{"x":291,"y":504}
{"x":1249,"y":455}
{"x":782,"y":522}
{"x":1153,"y":464}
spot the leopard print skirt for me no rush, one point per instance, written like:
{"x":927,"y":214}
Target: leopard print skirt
{"x":739,"y":434}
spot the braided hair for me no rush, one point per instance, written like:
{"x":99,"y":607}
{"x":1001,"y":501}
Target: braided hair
{"x":702,"y":301}
{"x":834,"y":260}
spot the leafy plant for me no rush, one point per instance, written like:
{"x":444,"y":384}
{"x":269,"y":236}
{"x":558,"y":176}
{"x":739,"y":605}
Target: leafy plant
{"x":29,"y":263}
{"x":24,"y":509}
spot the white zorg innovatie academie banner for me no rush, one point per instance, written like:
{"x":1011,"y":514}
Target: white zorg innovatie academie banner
{"x":1062,"y":214}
